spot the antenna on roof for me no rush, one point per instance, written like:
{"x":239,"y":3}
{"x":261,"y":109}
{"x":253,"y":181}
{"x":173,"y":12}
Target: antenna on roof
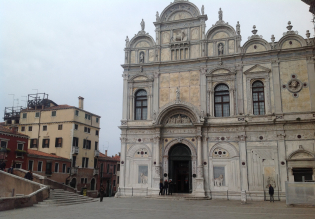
{"x":13,"y":98}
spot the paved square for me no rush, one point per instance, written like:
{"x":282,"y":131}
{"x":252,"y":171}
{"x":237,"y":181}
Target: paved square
{"x":139,"y":208}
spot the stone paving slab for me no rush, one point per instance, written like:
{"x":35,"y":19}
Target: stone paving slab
{"x":141,"y":208}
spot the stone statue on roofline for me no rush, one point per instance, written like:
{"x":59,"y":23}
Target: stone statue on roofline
{"x":157,"y":16}
{"x":142,"y":25}
{"x":203,"y":10}
{"x":220,"y":15}
{"x":127,"y":41}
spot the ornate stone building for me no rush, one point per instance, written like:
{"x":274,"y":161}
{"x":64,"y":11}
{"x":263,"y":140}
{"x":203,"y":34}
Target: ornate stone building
{"x":212,"y":114}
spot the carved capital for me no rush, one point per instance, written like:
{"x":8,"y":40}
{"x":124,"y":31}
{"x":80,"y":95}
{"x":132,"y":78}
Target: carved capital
{"x":203,"y":71}
{"x":125,"y":76}
{"x":156,"y":139}
{"x":198,"y":137}
{"x":281,"y":136}
{"x":242,"y":137}
{"x":123,"y":140}
{"x":156,"y":74}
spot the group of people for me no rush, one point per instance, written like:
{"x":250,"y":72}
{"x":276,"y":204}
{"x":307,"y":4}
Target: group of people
{"x":3,"y":166}
{"x":166,"y":188}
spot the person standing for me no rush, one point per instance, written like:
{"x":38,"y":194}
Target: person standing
{"x":2,"y":166}
{"x":161,"y":188}
{"x":29,"y":175}
{"x":165,"y":187}
{"x":271,"y":192}
{"x":170,"y":187}
{"x":102,"y":191}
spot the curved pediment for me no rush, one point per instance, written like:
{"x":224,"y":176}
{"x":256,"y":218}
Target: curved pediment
{"x":141,"y":41}
{"x":179,"y":10}
{"x":221,"y":31}
{"x":178,"y":119}
{"x":301,"y":154}
{"x":256,"y":45}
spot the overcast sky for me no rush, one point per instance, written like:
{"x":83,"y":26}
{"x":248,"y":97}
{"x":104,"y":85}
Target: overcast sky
{"x":75,"y":48}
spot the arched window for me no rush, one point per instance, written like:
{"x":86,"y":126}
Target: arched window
{"x":141,"y":105}
{"x":221,"y":101}
{"x":258,"y":98}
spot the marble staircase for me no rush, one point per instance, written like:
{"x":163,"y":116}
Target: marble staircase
{"x":60,"y":197}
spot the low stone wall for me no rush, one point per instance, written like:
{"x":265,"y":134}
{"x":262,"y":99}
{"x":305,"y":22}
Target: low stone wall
{"x":11,"y":185}
{"x":44,"y":180}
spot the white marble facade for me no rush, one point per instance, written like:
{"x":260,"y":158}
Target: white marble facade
{"x":175,"y":129}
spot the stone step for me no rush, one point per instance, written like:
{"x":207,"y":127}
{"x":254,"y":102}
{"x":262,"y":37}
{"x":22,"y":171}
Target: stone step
{"x":19,"y":195}
{"x":43,"y":204}
{"x":177,"y":197}
{"x":70,"y":199}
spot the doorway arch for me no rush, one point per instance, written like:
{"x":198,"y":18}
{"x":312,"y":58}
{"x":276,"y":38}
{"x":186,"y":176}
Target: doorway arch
{"x":73,"y":183}
{"x":180,"y":168}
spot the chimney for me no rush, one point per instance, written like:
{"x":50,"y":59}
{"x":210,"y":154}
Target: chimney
{"x":106,"y":153}
{"x":81,"y":99}
{"x":119,"y":154}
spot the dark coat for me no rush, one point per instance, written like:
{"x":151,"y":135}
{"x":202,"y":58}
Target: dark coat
{"x":2,"y":166}
{"x":271,"y":190}
{"x":161,"y":185}
{"x":28,"y":176}
{"x":102,"y":189}
{"x":165,"y":185}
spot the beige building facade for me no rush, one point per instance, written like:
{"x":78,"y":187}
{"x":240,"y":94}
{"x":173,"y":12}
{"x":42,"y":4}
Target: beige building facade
{"x":214,"y":114}
{"x":62,"y":130}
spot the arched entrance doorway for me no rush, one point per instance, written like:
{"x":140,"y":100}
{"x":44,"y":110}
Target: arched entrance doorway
{"x":93,"y":184}
{"x":180,"y":168}
{"x":73,"y":183}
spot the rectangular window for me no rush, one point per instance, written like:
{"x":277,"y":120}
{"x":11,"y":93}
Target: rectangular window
{"x":58,"y":143}
{"x":87,"y":116}
{"x":30,"y":128}
{"x":30,"y":165}
{"x":114,"y":182}
{"x":97,"y":119}
{"x":20,"y":147}
{"x":102,"y":167}
{"x":45,"y":143}
{"x":85,"y":180}
{"x":85,"y":162}
{"x":64,"y":168}
{"x":59,"y":127}
{"x":24,"y":115}
{"x":96,"y":132}
{"x":107,"y":168}
{"x":75,"y":142}
{"x":82,"y":180}
{"x":87,"y":130}
{"x":53,"y":113}
{"x":23,"y":128}
{"x":68,"y":170}
{"x":118,"y":168}
{"x":44,"y":127}
{"x":86,"y":144}
{"x":96,"y":145}
{"x":114,"y":169}
{"x":37,"y":115}
{"x":39,"y":166}
{"x":76,"y":127}
{"x":33,"y":143}
{"x":48,"y":168}
{"x":77,"y":112}
{"x":117,"y":179}
{"x":56,"y":167}
{"x":4,"y":144}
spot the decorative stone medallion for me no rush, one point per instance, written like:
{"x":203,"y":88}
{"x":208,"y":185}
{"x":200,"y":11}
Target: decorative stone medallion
{"x":219,"y":152}
{"x":294,"y":85}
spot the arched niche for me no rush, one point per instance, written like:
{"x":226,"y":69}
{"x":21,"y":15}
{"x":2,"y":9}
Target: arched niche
{"x":141,"y":41}
{"x":233,"y":152}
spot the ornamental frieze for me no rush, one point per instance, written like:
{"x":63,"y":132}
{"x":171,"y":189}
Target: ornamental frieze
{"x":179,"y":131}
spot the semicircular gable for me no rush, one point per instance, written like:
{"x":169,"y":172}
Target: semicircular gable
{"x":136,"y":147}
{"x":256,"y":45}
{"x":142,"y":41}
{"x":291,"y":41}
{"x":301,"y":154}
{"x":220,"y":32}
{"x":174,"y":9}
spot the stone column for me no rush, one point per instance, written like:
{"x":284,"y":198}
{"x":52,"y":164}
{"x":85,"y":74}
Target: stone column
{"x":122,"y":163}
{"x":200,"y":191}
{"x":239,"y":90}
{"x":125,"y":96}
{"x":203,"y":89}
{"x":290,"y":175}
{"x":267,"y":95}
{"x":232,"y":102}
{"x":205,"y":166}
{"x":311,"y":80}
{"x":282,"y":158}
{"x":276,"y":86}
{"x":156,"y":158}
{"x":243,"y":162}
{"x":156,"y":92}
